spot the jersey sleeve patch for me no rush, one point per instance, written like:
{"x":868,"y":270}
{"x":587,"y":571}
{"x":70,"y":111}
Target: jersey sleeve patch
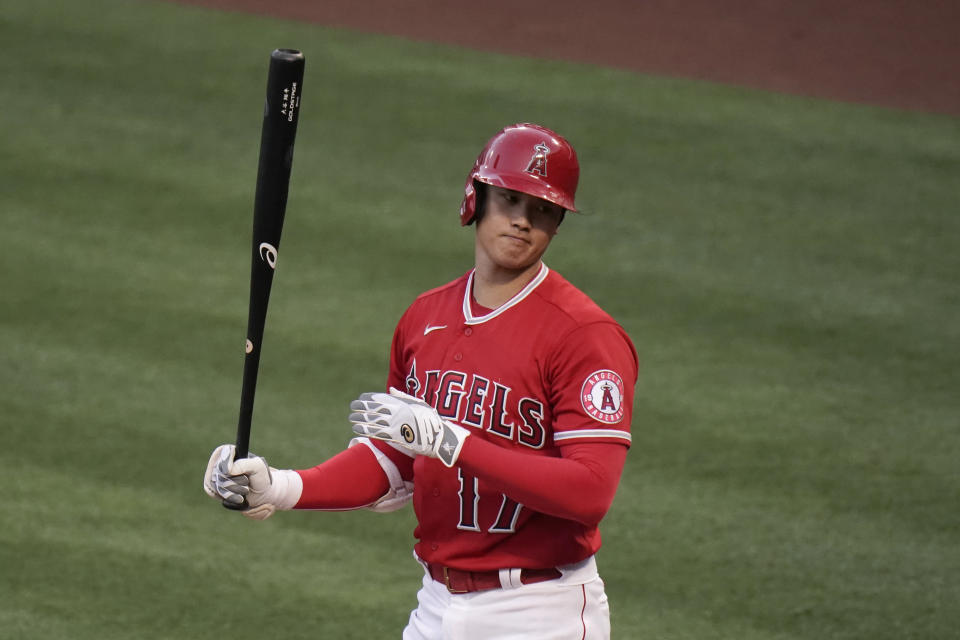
{"x":602,"y":396}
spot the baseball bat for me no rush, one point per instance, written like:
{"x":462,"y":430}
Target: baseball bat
{"x":280,"y":116}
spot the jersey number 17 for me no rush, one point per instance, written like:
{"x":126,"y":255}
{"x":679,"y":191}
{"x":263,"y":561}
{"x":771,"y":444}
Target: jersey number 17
{"x":470,"y":498}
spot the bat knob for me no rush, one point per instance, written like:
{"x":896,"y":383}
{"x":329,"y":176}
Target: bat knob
{"x":243,"y":506}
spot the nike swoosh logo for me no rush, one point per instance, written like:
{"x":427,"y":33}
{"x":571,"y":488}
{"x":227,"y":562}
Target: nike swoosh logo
{"x":429,"y":329}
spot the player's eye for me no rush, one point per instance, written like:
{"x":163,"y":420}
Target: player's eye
{"x":548,"y":210}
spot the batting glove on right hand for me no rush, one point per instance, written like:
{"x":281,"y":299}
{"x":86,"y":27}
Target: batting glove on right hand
{"x":408,"y":422}
{"x":265,"y":489}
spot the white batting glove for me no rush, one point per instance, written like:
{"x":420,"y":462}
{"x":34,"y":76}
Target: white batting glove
{"x":409,"y":422}
{"x":265,"y":489}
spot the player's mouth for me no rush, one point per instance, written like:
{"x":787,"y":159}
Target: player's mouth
{"x":516,"y":239}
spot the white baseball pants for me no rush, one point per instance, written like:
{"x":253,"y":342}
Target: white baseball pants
{"x":572,"y":607}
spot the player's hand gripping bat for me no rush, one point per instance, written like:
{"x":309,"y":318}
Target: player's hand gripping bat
{"x":280,"y":116}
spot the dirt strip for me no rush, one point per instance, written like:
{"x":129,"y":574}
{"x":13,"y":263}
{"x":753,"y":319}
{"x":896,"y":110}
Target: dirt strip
{"x":900,"y":53}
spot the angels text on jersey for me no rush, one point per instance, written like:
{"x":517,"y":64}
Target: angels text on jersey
{"x":473,"y":400}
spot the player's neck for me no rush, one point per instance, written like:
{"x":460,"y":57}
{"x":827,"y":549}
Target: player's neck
{"x":493,"y":285}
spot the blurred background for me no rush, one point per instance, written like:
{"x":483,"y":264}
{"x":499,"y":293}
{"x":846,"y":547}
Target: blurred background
{"x":786,"y":265}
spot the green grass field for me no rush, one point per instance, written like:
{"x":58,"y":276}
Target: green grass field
{"x":787,"y":267}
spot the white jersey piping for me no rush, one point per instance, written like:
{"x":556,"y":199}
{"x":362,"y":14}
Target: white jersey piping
{"x":591,"y":433}
{"x":468,"y":316}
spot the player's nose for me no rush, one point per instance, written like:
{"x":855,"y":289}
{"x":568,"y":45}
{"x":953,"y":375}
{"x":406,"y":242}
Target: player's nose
{"x":524,"y":212}
{"x":521,"y":220}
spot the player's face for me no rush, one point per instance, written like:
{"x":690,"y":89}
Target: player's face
{"x":515,"y":229}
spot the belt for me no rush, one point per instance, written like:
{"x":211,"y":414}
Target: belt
{"x":459,"y":581}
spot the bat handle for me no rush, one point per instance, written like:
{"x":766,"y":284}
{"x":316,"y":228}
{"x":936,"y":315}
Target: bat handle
{"x":241,"y":451}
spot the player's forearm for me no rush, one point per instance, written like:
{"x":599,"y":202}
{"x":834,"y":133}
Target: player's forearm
{"x":579,"y":486}
{"x":352,"y":479}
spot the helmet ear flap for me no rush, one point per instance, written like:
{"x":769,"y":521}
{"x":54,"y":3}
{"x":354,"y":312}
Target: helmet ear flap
{"x":474,"y":200}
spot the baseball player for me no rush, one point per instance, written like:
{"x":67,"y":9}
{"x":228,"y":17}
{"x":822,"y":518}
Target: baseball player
{"x":506,"y":422}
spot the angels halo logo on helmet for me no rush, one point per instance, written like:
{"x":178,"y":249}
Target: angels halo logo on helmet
{"x":538,"y":163}
{"x":527,"y":158}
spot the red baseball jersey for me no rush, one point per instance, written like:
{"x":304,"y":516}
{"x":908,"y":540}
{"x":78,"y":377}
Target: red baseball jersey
{"x":547,"y":368}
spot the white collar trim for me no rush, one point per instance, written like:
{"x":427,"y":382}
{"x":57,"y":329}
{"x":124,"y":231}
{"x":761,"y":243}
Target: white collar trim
{"x":512,"y":302}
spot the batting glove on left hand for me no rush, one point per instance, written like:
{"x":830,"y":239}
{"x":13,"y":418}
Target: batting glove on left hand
{"x":408,"y":422}
{"x":266,"y":489}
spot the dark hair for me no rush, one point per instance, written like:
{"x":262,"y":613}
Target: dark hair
{"x":480,"y":188}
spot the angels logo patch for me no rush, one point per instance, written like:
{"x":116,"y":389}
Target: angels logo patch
{"x":602,"y":396}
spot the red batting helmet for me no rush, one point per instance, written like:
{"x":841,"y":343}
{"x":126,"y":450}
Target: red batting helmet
{"x":526,"y":158}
